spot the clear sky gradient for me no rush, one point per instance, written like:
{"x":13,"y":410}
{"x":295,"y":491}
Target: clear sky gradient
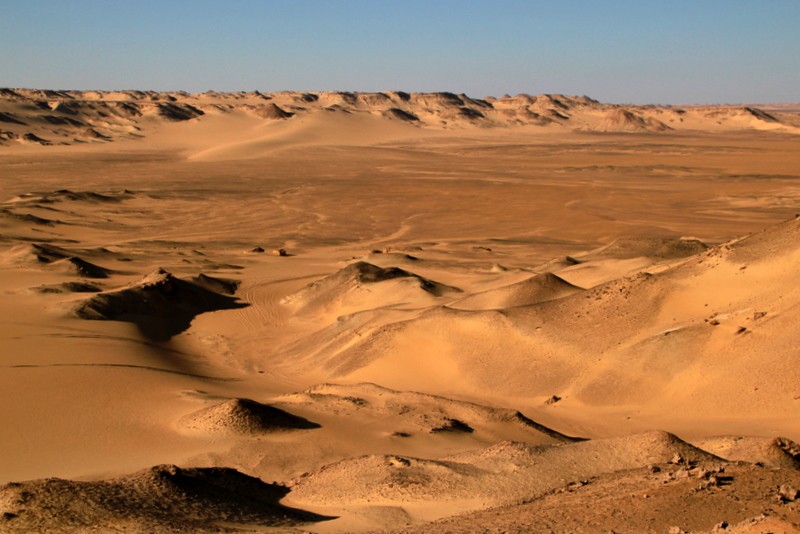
{"x":635,"y":51}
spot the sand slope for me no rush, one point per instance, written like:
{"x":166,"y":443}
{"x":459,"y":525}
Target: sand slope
{"x":614,"y":345}
{"x":400,"y":308}
{"x":736,"y":499}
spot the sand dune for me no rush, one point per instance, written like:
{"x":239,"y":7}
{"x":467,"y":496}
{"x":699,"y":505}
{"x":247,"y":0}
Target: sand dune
{"x":242,"y":416}
{"x":159,"y":304}
{"x":660,"y":249}
{"x":773,"y":452}
{"x":362,"y":285}
{"x":56,"y":259}
{"x":482,"y":310}
{"x":736,"y":499}
{"x":631,"y":325}
{"x":163,"y":498}
{"x":504,"y":473}
{"x":416,"y":413}
{"x":539,"y":288}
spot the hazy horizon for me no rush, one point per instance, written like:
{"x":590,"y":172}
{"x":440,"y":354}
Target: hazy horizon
{"x":626,"y":52}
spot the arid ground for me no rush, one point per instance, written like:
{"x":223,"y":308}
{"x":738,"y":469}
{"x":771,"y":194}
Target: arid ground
{"x":339,"y":312}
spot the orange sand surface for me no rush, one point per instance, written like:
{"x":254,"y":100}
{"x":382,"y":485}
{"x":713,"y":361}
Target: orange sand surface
{"x":340,"y":312}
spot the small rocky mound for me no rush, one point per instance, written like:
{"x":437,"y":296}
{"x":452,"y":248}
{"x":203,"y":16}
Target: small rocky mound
{"x":415,"y":412}
{"x":347,"y":287}
{"x":397,"y":113}
{"x":59,"y":195}
{"x":362,"y":272}
{"x":437,"y":100}
{"x":273,"y":111}
{"x":164,"y":498}
{"x":92,"y":134}
{"x":62,"y":121}
{"x":622,"y":120}
{"x":33,"y":138}
{"x":539,"y":288}
{"x":161,"y":305}
{"x":83,"y":268}
{"x":28,"y":218}
{"x":70,"y":287}
{"x":178,"y":112}
{"x":218,"y":285}
{"x":501,"y":474}
{"x":10,"y":118}
{"x":656,"y":248}
{"x":307,"y":98}
{"x":48,"y":253}
{"x":772,"y":452}
{"x":5,"y":135}
{"x":60,"y":258}
{"x":242,"y":416}
{"x":470,"y":113}
{"x":82,"y":196}
{"x":760,"y":114}
{"x":452,"y":425}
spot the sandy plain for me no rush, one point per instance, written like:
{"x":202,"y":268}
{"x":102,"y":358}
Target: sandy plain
{"x":516,"y":314}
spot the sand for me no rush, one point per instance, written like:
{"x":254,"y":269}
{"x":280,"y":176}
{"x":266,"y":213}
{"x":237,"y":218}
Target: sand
{"x":340,"y":312}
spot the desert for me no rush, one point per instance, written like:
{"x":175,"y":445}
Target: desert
{"x":397,"y":311}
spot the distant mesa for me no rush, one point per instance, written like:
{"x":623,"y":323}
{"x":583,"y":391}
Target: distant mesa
{"x":161,"y":305}
{"x":243,"y":416}
{"x":159,"y":499}
{"x":32,"y":116}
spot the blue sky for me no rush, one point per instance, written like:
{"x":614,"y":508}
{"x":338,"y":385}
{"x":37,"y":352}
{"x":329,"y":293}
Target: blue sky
{"x":670,"y":51}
